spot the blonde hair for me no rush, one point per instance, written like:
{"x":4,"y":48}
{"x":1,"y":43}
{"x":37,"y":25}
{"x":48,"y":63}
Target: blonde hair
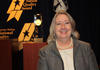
{"x":52,"y":36}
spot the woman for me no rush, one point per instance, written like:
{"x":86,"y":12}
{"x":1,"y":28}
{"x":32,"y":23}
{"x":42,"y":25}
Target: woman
{"x":64,"y":51}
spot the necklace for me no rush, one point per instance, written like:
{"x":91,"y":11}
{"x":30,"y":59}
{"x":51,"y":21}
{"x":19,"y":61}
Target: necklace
{"x":65,"y":47}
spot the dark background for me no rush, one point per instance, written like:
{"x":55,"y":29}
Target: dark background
{"x":85,"y":12}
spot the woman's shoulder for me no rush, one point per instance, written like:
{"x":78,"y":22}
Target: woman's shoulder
{"x":84,"y":43}
{"x":49,"y":46}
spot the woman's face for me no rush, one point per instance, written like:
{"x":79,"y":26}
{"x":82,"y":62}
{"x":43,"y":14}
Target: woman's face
{"x":63,"y":27}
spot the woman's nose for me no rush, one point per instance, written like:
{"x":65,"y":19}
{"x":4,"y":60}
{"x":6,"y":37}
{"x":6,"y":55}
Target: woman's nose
{"x":63,"y":25}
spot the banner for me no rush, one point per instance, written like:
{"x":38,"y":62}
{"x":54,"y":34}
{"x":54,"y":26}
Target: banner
{"x":17,"y":20}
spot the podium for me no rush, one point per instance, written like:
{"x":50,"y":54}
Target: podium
{"x":30,"y":55}
{"x":5,"y":55}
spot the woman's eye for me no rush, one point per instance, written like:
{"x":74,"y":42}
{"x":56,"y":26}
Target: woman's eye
{"x":62,"y":23}
{"x":67,"y":22}
{"x":58,"y":23}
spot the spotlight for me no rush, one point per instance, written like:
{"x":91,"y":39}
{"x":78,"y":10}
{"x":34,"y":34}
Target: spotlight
{"x":37,"y":19}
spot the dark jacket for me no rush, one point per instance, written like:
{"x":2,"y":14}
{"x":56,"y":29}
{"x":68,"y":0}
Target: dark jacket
{"x":84,"y":58}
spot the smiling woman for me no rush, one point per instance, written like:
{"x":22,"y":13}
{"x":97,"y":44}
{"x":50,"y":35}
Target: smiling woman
{"x":64,"y":51}
{"x":63,"y":27}
{"x":64,"y":19}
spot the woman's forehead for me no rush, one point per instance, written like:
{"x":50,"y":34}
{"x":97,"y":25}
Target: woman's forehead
{"x":62,"y":17}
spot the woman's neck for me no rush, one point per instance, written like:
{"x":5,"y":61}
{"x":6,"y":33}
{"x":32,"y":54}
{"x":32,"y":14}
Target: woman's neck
{"x":63,"y":42}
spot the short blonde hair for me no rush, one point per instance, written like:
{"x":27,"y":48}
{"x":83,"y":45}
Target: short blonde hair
{"x":52,"y":36}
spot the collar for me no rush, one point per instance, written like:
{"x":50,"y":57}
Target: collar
{"x":56,"y":51}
